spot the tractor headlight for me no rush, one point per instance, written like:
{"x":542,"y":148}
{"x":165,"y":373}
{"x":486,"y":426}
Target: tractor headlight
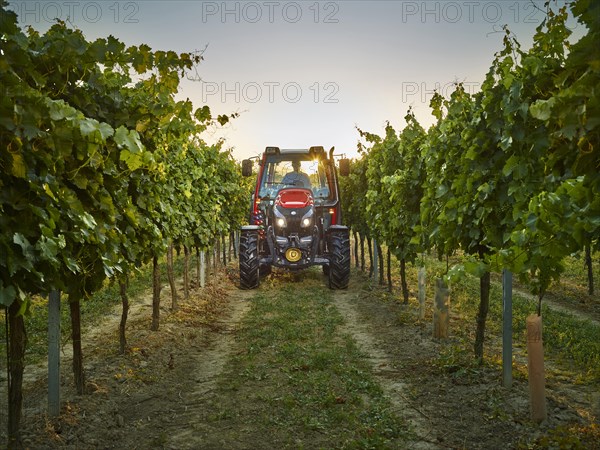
{"x":280,"y":221}
{"x":307,"y":219}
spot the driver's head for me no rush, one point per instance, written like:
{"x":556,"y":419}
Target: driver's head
{"x":296,"y":165}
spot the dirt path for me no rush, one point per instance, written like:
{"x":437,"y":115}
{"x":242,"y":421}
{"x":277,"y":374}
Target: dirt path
{"x":207,"y":365}
{"x":383,"y":368}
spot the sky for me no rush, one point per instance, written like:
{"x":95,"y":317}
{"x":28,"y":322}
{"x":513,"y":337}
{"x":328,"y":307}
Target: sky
{"x":305,"y":73}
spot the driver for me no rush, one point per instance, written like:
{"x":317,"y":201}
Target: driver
{"x":296,"y":177}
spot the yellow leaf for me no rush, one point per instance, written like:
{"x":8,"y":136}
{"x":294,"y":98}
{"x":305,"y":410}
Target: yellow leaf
{"x":18,"y":166}
{"x":48,"y":191}
{"x":141,"y":126}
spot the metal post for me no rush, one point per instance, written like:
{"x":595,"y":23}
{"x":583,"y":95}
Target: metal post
{"x":54,"y":354}
{"x":506,"y":328}
{"x":202,"y":268}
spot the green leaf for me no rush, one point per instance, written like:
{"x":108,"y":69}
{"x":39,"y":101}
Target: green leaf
{"x":59,"y":110}
{"x":542,"y":109}
{"x":441,"y":191}
{"x":48,"y":248}
{"x":455,"y":274}
{"x":26,"y":247}
{"x":510,"y":165}
{"x":7,"y":294}
{"x":88,"y":220}
{"x":203,"y":114}
{"x":103,"y":128}
{"x":129,"y":139}
{"x":88,"y":126}
{"x":133,"y":160}
{"x":476,"y":267}
{"x":72,"y":265}
{"x":519,"y":237}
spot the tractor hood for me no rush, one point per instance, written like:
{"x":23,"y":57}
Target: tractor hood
{"x":294,"y":198}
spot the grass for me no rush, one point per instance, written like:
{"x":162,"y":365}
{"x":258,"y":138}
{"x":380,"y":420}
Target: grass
{"x":572,"y":344}
{"x":573,"y":284}
{"x":308,"y":382}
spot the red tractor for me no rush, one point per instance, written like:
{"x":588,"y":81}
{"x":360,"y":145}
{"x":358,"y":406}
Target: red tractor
{"x":295,"y":217}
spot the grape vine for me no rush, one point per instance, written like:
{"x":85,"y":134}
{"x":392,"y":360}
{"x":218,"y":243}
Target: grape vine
{"x":508,"y":176}
{"x":100,"y":169}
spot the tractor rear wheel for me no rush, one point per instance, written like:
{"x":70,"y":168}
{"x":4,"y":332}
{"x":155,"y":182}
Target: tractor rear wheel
{"x":249,"y":259}
{"x":339,"y":259}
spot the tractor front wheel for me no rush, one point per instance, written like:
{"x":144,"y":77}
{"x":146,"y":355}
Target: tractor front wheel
{"x":249,"y":259}
{"x":339,"y":262}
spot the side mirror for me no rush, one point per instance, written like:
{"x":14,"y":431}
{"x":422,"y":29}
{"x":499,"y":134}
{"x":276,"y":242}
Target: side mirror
{"x":247,"y":167}
{"x":344,"y":167}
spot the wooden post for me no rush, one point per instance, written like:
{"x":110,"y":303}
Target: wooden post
{"x":375,"y":261}
{"x":186,"y":272}
{"x":441,"y":313}
{"x":124,"y":314}
{"x":362,"y":252}
{"x":421,"y":282}
{"x":370,"y":248}
{"x":389,"y":270}
{"x":356,"y":255}
{"x":506,"y":328}
{"x":215,"y":254}
{"x":54,"y":354}
{"x":171,"y":278}
{"x":381,"y":259}
{"x":403,"y":280}
{"x":207,"y":258}
{"x":156,"y":287}
{"x":535,"y":368}
{"x":234,"y":242}
{"x":16,"y":363}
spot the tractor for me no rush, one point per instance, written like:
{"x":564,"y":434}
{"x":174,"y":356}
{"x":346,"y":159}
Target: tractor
{"x":295,"y":217}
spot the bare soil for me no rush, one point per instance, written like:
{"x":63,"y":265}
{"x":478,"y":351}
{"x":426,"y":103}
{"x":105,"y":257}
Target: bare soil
{"x":161,"y":393}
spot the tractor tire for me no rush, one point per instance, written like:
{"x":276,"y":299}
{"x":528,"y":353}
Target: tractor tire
{"x":339,"y":262}
{"x":326,"y":270}
{"x":249,"y":259}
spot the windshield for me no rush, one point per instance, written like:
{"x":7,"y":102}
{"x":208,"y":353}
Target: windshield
{"x":300,"y":172}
